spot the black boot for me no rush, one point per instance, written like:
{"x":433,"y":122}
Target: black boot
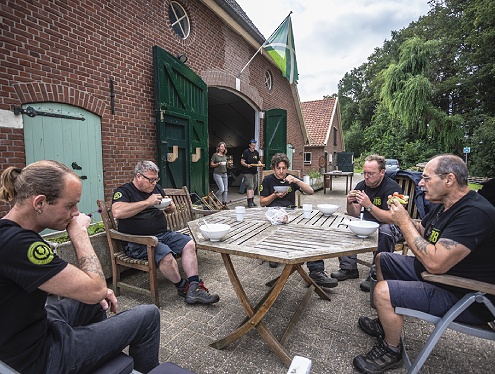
{"x":250,"y":203}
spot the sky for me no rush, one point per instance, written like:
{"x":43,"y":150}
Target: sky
{"x":332,"y":37}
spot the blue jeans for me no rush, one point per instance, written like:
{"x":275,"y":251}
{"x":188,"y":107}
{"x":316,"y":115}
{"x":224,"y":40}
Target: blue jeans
{"x":81,"y":338}
{"x":222,"y":181}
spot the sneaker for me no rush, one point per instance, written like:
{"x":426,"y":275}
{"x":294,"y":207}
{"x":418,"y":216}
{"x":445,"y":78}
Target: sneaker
{"x":371,"y":326}
{"x":380,"y":359}
{"x":273,"y":264}
{"x":198,"y":293}
{"x":182,"y":291}
{"x":366,"y":284}
{"x":322,"y":279}
{"x":343,"y":274}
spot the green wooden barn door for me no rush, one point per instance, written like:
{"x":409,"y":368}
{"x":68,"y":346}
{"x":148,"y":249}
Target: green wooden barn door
{"x":275,"y":133}
{"x":73,"y":142}
{"x":181,"y":104}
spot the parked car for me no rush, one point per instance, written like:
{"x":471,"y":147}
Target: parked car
{"x":391,"y":164}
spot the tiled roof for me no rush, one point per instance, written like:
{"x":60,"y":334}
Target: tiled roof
{"x":241,"y":14}
{"x":318,"y":119}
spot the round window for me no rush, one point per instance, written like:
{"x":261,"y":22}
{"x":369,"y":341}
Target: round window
{"x":268,"y":81}
{"x":179,"y":20}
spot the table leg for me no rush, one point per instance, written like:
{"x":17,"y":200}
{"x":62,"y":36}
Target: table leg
{"x":297,"y":315}
{"x":255,"y":316}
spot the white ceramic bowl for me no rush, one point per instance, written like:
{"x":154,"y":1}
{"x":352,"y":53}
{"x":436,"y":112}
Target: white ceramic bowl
{"x":327,"y":209}
{"x":164,"y":204}
{"x":214,"y":231}
{"x":363,"y":229}
{"x":281,"y":189}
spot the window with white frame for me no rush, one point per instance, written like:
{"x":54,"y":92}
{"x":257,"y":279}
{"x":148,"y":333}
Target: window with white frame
{"x":179,"y":19}
{"x":307,"y":158}
{"x":268,"y":81}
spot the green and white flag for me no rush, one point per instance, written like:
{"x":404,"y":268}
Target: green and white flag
{"x":280,"y":46}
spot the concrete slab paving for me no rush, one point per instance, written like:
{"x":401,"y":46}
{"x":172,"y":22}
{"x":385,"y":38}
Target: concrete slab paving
{"x":327,"y":333}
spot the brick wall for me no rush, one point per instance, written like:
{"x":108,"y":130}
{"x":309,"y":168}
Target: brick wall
{"x":68,"y":52}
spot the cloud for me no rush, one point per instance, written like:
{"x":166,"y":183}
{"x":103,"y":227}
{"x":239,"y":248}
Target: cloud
{"x":333,"y":37}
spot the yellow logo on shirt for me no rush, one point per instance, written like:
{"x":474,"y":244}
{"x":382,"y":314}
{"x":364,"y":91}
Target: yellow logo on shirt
{"x":40,"y":253}
{"x":117,"y":195}
{"x":435,"y":234}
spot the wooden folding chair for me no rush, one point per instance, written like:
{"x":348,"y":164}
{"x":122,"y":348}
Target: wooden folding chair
{"x":480,"y":289}
{"x":212,"y":202}
{"x":119,"y":258}
{"x":185,"y":211}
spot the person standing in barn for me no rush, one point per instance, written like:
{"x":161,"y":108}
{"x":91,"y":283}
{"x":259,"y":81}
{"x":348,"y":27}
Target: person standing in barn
{"x":249,"y":160}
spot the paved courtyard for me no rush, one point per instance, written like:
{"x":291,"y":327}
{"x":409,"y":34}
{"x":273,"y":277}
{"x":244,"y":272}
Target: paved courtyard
{"x":327,"y":333}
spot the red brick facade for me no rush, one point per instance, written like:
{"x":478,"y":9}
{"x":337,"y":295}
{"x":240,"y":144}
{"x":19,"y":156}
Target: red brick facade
{"x":69,"y":51}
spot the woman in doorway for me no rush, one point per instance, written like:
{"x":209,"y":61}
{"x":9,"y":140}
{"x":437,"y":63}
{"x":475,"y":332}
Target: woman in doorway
{"x":219,"y":164}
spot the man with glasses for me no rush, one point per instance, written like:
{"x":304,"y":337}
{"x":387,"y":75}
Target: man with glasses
{"x":133,"y":207}
{"x":456,"y":237}
{"x":370,"y":197}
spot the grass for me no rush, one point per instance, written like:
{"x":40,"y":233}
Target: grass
{"x":474,"y":186}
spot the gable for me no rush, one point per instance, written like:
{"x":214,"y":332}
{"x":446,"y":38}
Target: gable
{"x":318,"y":117}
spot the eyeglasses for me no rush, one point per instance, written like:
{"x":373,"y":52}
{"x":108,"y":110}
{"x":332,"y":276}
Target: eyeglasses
{"x":426,"y":179}
{"x":151,"y":180}
{"x":368,"y":174}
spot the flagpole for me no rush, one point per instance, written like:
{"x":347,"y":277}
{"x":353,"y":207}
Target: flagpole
{"x":259,"y":49}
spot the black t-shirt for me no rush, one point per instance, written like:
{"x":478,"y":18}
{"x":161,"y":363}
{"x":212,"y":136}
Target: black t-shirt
{"x":250,"y":158}
{"x":150,"y":221}
{"x":470,"y":222}
{"x":267,"y":189}
{"x":379,"y":195}
{"x":26,"y":262}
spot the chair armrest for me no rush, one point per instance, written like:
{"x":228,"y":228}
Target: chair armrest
{"x":460,"y":282}
{"x":139,"y":239}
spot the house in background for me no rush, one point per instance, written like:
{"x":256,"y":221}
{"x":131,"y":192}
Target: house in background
{"x":99,"y":86}
{"x":324,"y":126}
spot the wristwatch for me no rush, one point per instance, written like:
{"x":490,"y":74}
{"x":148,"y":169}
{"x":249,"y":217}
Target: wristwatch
{"x":369,"y":208}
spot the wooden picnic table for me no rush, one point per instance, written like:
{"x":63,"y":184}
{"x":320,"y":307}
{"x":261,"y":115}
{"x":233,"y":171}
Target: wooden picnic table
{"x":292,"y":244}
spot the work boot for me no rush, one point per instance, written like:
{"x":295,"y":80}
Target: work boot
{"x":198,"y":293}
{"x":366,"y":284}
{"x":371,"y":326}
{"x":380,"y":359}
{"x":322,"y":279}
{"x":182,"y":291}
{"x":251,"y":203}
{"x":343,"y":274}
